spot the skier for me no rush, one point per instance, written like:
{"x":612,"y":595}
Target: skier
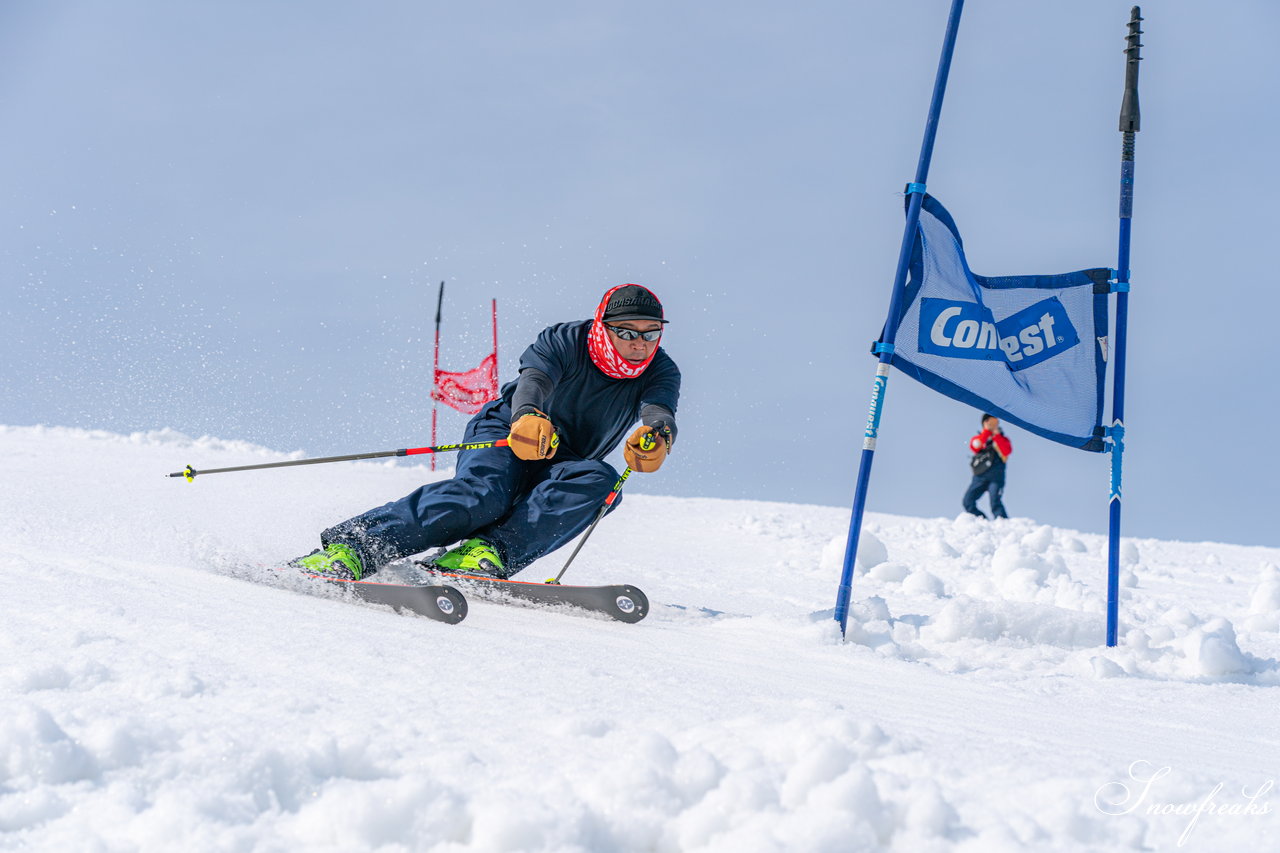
{"x":991,"y":449}
{"x":581,"y":386}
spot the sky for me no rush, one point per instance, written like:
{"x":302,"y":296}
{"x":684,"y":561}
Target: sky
{"x":231,"y":220}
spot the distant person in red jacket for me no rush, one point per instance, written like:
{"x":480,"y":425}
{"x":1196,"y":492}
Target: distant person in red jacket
{"x":991,"y":449}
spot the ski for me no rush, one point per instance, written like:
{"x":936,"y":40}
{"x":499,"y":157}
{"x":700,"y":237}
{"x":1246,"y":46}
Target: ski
{"x":440,"y":602}
{"x":622,"y":602}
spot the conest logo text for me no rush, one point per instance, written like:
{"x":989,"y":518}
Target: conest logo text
{"x":968,"y":330}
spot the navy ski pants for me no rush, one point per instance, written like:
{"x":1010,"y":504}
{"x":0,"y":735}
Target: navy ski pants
{"x":990,"y":484}
{"x":525,"y":509}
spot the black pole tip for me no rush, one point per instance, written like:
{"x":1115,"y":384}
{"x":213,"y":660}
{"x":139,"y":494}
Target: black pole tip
{"x":1130,"y":113}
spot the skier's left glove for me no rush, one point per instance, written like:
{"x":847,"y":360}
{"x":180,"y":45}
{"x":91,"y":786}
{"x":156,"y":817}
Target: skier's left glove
{"x":646,"y":449}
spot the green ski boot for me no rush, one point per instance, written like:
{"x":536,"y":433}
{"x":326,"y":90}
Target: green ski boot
{"x":473,"y":557}
{"x":336,"y":560}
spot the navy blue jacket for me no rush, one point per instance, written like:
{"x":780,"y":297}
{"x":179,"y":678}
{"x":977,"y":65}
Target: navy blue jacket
{"x":593,"y":412}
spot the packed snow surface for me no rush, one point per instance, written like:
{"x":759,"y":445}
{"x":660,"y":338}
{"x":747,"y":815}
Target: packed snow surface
{"x":162,"y":690}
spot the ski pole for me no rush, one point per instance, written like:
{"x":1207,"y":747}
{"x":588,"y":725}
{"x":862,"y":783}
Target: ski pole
{"x":608,"y":502}
{"x":191,"y":473}
{"x":646,"y":443}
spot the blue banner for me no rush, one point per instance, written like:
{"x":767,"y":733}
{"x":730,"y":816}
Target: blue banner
{"x":1031,"y":349}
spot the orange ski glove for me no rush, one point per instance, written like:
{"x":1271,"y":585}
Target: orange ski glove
{"x":645,"y":450}
{"x":533,"y":437}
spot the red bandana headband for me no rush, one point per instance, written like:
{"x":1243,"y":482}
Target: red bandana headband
{"x":604,"y":354}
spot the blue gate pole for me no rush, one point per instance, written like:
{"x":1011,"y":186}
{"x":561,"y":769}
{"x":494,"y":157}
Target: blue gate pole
{"x":1130,"y":123}
{"x":915,"y":192}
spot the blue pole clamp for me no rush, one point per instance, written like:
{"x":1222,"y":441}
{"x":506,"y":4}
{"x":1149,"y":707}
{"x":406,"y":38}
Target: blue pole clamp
{"x":913,"y":187}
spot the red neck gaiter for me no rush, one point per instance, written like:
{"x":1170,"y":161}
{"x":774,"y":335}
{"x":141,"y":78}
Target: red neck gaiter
{"x":604,"y":354}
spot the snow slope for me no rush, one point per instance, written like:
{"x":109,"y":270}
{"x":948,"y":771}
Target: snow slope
{"x":150,"y":699}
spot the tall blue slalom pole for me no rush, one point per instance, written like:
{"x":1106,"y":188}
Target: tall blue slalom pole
{"x":1130,"y":124}
{"x":915,"y":193}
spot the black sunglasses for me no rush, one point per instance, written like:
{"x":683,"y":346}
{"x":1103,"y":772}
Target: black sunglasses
{"x":632,"y":334}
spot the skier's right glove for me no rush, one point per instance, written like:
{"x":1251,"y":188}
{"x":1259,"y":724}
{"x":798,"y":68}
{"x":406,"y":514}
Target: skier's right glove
{"x":533,"y":437}
{"x":646,"y":449}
